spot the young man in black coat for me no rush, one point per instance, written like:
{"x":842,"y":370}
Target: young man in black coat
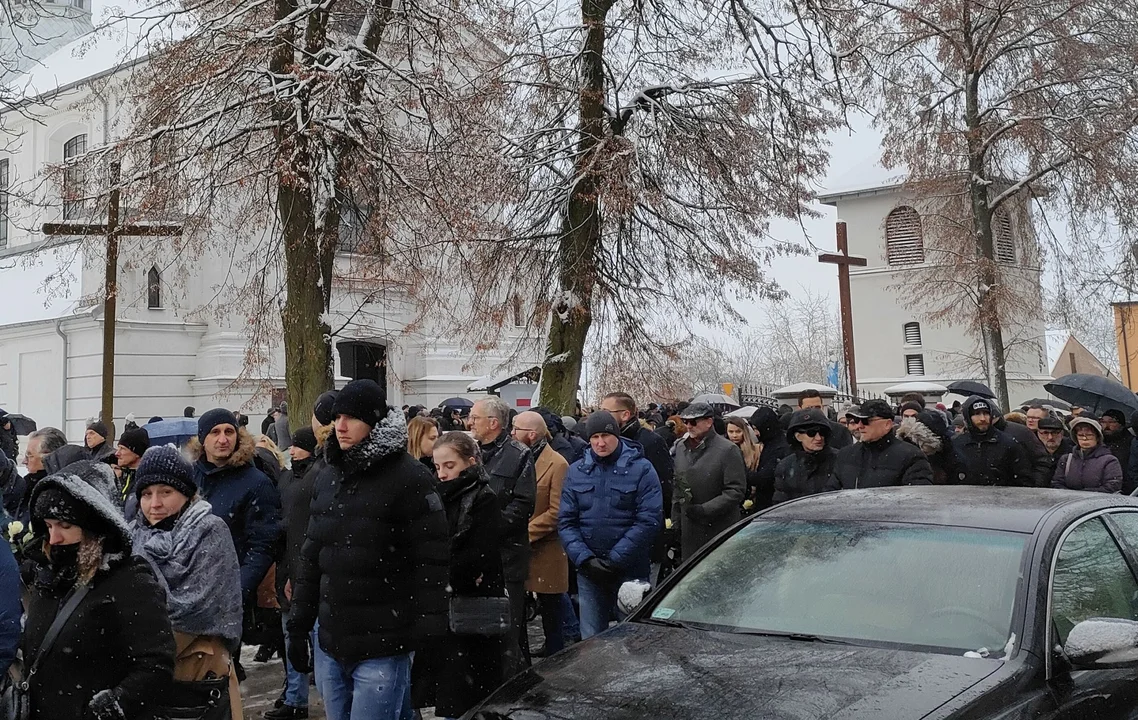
{"x":991,"y":456}
{"x":373,"y":570}
{"x":513,"y":479}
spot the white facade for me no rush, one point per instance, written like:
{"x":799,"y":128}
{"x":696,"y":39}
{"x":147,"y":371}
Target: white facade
{"x":192,"y":347}
{"x":894,"y":340}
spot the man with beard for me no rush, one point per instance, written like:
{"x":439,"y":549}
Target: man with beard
{"x":1053,"y":434}
{"x":992,"y":456}
{"x":1115,"y":435}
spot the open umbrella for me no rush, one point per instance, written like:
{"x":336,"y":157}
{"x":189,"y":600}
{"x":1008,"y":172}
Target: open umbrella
{"x":970,"y":387}
{"x":1057,"y":404}
{"x":717,"y":400}
{"x":1094,"y":392}
{"x":457,"y":402}
{"x":743,"y":412}
{"x":22,"y":424}
{"x":175,"y":431}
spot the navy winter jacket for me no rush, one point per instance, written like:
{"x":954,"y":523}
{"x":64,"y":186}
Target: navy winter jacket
{"x":612,"y":511}
{"x":250,"y":505}
{"x":10,"y":610}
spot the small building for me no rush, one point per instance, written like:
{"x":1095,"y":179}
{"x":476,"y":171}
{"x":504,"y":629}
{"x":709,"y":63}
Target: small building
{"x":895,"y":341}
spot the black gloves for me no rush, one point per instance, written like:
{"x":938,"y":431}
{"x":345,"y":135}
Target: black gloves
{"x":300,"y":652}
{"x":696,"y":513}
{"x":599,"y":571}
{"x":105,"y":706}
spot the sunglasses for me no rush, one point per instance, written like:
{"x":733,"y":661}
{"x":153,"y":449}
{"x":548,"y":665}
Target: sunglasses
{"x":693,"y":421}
{"x":811,"y":432}
{"x":857,"y":421}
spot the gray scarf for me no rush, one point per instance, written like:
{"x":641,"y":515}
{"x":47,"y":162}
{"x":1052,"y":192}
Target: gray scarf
{"x":197,"y":567}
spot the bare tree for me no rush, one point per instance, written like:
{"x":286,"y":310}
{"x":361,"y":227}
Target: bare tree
{"x":653,"y":141}
{"x":990,"y":105}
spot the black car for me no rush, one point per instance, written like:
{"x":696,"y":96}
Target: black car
{"x":909,"y":602}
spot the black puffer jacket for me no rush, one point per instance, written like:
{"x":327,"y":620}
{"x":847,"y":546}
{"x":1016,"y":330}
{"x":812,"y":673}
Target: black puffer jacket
{"x":929,"y":433}
{"x":375,"y":563}
{"x":884,"y":462}
{"x":1032,"y":447}
{"x":296,"y":499}
{"x":509,"y":465}
{"x":992,"y":457}
{"x":766,"y":423}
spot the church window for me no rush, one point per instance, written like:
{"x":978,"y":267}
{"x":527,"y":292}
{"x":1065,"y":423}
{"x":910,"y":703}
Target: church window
{"x":912,"y":333}
{"x":4,"y":179}
{"x":154,"y":289}
{"x":914,"y":364}
{"x":1005,"y":240}
{"x":904,"y":237}
{"x":73,"y":185}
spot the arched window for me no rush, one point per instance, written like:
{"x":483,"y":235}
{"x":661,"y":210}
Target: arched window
{"x":912,"y":332}
{"x":74,"y":188}
{"x":518,"y":313}
{"x":904,"y":237}
{"x":154,"y":289}
{"x":1004,"y":239}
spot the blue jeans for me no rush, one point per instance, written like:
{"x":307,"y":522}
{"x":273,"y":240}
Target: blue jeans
{"x":570,"y":628}
{"x":296,"y":683}
{"x":374,"y":689}
{"x":598,"y":605}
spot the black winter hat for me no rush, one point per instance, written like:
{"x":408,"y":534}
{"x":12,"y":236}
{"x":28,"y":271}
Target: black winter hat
{"x":323,"y":408}
{"x":164,"y":465}
{"x":305,"y":439}
{"x":56,"y":504}
{"x":212,"y":418}
{"x":137,"y":441}
{"x":362,"y":399}
{"x":99,"y":427}
{"x":601,"y":423}
{"x":1118,"y":415}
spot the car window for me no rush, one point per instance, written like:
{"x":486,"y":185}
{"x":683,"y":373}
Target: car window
{"x":945,"y":588}
{"x":1091,"y":580}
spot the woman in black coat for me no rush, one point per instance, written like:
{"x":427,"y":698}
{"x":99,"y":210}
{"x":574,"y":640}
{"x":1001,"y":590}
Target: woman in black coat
{"x":772,"y":436}
{"x":458,"y":671}
{"x":114,"y":658}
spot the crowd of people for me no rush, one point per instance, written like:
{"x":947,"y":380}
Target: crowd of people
{"x":401,"y":552}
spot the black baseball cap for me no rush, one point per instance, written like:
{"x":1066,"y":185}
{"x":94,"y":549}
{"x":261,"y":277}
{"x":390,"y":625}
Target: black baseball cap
{"x":871,"y":409}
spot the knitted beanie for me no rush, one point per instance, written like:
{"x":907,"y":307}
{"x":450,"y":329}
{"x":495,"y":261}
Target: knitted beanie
{"x":56,"y":504}
{"x":304,"y":439}
{"x":99,"y":427}
{"x":137,"y":441}
{"x":164,"y":465}
{"x":323,"y":408}
{"x":209,"y":420}
{"x":362,"y":399}
{"x":601,"y":423}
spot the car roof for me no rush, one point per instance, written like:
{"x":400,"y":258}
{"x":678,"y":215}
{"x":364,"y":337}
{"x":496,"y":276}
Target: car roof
{"x":992,"y":508}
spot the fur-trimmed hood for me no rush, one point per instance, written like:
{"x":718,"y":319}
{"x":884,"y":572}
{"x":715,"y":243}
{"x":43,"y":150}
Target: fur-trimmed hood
{"x":915,"y":432}
{"x":92,"y":484}
{"x":389,"y":436}
{"x":242,"y":454}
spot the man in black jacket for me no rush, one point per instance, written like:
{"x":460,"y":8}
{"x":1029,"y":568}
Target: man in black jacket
{"x":375,"y":564}
{"x":1053,"y":434}
{"x":769,"y":430}
{"x":623,"y":407}
{"x":881,"y":459}
{"x":1116,"y":436}
{"x":807,"y":470}
{"x":992,"y":456}
{"x":513,"y":479}
{"x":840,"y":436}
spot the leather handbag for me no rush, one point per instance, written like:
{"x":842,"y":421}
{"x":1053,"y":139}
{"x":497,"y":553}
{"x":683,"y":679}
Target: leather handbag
{"x":14,"y":703}
{"x":196,"y":700}
{"x":479,"y":615}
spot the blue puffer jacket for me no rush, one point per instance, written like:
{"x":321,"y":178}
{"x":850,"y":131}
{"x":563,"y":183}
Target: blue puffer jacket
{"x":612,"y":511}
{"x":250,"y":505}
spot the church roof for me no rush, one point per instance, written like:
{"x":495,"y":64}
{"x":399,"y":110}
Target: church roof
{"x":867,"y":177}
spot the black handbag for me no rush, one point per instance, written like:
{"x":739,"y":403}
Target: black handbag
{"x":14,"y":703}
{"x":479,"y":615}
{"x":196,"y":700}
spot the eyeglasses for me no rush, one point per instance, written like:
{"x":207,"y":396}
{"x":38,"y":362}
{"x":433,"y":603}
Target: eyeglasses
{"x":811,"y":432}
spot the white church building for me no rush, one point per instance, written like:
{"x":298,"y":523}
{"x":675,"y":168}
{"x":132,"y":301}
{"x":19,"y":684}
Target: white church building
{"x":894,"y":339}
{"x":178,"y":342}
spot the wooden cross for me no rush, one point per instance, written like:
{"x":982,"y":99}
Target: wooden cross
{"x":843,"y":260}
{"x":112,"y":231}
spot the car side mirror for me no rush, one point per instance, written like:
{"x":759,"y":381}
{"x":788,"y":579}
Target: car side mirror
{"x":1103,"y":643}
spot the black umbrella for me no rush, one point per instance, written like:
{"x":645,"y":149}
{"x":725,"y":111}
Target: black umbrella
{"x":1094,"y":392}
{"x":457,"y":402}
{"x":970,"y":387}
{"x":22,"y":424}
{"x":1057,"y":404}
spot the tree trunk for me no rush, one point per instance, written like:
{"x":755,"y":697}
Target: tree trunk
{"x":991,"y":331}
{"x":580,"y":228}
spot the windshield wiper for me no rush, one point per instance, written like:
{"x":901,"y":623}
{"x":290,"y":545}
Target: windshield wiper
{"x":667,"y":623}
{"x":803,"y":637}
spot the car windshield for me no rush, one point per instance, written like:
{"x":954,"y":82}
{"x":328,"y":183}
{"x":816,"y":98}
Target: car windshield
{"x":940,"y":588}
